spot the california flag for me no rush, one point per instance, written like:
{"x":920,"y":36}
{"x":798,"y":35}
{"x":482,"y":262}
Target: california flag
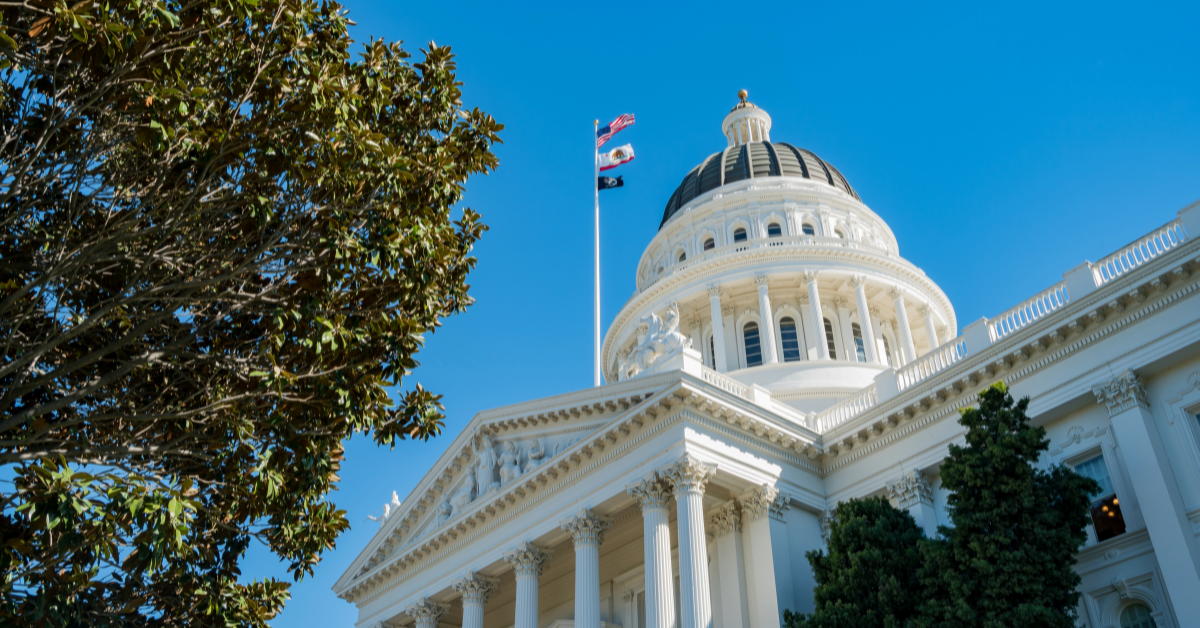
{"x":615,"y":157}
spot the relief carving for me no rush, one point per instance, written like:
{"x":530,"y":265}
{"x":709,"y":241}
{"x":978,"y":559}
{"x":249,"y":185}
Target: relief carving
{"x":661,"y":342}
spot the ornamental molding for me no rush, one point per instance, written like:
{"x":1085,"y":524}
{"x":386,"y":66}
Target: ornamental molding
{"x":426,"y":613}
{"x":911,"y":489}
{"x":527,"y":559}
{"x":586,"y":528}
{"x":757,"y":502}
{"x":474,"y":588}
{"x":1122,"y":393}
{"x":725,"y":519}
{"x":652,"y":492}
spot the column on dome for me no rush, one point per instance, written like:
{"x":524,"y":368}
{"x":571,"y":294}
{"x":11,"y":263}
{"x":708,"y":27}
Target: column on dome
{"x":725,"y":525}
{"x":842,"y":307}
{"x":913,"y":492}
{"x":652,"y":495}
{"x":474,"y":590}
{"x":1154,"y":483}
{"x":688,"y":478}
{"x":587,"y":532}
{"x":426,"y":613}
{"x":768,"y":322}
{"x":697,"y":334}
{"x":763,"y":600}
{"x":930,"y":329}
{"x":907,"y":349}
{"x":818,"y":319}
{"x":859,"y":282}
{"x":718,"y":328}
{"x":527,"y":561}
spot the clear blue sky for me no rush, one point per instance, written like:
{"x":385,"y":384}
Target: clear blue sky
{"x":1004,"y":144}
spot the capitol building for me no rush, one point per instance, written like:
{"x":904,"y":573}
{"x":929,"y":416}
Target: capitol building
{"x":780,"y":355}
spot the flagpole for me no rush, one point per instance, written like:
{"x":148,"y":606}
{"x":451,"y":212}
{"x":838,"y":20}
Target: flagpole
{"x":596,"y":182}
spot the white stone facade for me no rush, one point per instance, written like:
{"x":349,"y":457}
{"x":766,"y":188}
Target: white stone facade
{"x":687,"y":492}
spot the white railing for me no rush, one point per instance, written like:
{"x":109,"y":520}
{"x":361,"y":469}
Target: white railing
{"x":1143,"y":250}
{"x":1029,"y":311}
{"x":846,"y":409}
{"x":727,"y":384}
{"x":931,"y":364}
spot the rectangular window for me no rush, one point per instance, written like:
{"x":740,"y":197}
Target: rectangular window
{"x":1106,"y":508}
{"x":829,"y":339}
{"x":860,"y":349}
{"x":753,"y":346}
{"x":789,"y":338}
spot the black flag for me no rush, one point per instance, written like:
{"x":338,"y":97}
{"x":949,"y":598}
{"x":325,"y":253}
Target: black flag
{"x":604,"y":183}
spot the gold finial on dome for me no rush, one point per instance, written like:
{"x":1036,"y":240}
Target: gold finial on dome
{"x":743,"y":95}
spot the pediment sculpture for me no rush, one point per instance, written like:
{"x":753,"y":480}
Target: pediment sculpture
{"x":662,"y":342}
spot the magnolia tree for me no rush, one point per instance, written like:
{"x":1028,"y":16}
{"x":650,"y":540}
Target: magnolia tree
{"x":223,"y":236}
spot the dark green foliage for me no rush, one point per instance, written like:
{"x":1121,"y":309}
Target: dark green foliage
{"x":222,"y":238}
{"x":867,"y":579}
{"x":1007,"y":560}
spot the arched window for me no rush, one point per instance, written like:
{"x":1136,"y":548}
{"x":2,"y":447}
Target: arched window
{"x":841,"y":234}
{"x":829,"y":339}
{"x":790,"y":338}
{"x":739,"y":235}
{"x":709,"y":243}
{"x":1137,"y":615}
{"x":682,"y":256}
{"x":774,"y":230}
{"x":860,"y":348}
{"x":753,"y":346}
{"x":887,"y":352}
{"x":808,"y":229}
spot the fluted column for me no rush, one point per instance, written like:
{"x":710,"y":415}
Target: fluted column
{"x":688,"y":476}
{"x":814,"y":303}
{"x":761,"y":590}
{"x":768,"y":321}
{"x":475,"y":590}
{"x":426,"y":613}
{"x":725,"y":525}
{"x":859,"y":283}
{"x":718,"y":328}
{"x":587,"y":532}
{"x":906,"y":340}
{"x":1153,"y":481}
{"x":652,"y":496}
{"x":527,"y":561}
{"x":930,"y":330}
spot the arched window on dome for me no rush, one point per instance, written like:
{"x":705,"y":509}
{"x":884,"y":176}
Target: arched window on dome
{"x":840,"y":233}
{"x":739,"y":235}
{"x":790,"y":339}
{"x":829,"y":339}
{"x":808,"y":229}
{"x":682,"y":256}
{"x":860,"y":349}
{"x":712,"y":352}
{"x":753,"y":344}
{"x":1137,"y":615}
{"x":774,"y":230}
{"x":709,"y":243}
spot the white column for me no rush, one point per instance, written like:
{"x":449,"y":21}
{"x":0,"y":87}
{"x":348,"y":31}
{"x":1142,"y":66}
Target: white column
{"x":527,"y":561}
{"x":907,"y":349}
{"x":814,"y":305}
{"x":930,"y":330}
{"x":475,"y":590}
{"x":689,"y":477}
{"x":760,"y":559}
{"x":767,"y":339}
{"x":718,"y":327}
{"x":781,"y":551}
{"x":864,"y":317}
{"x":843,"y":316}
{"x":726,"y":527}
{"x":426,"y":613}
{"x":697,"y":334}
{"x":914,"y":493}
{"x":652,"y":496}
{"x":1157,"y":492}
{"x":587,"y":532}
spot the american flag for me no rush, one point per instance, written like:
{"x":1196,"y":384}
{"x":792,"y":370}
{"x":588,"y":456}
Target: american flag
{"x":606,"y":132}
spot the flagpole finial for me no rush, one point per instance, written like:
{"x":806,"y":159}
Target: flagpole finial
{"x":597,"y":123}
{"x":743,"y":95}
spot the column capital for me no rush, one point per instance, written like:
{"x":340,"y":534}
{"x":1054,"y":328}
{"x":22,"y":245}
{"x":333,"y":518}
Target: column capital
{"x":826,"y":520}
{"x":652,"y":492}
{"x":714,"y":290}
{"x":896,"y":292}
{"x":474,"y":588}
{"x":874,"y":311}
{"x":727,"y":310}
{"x":858,"y":281}
{"x":781,"y":504}
{"x":761,"y":280}
{"x":725,"y":519}
{"x":1122,"y":393}
{"x":586,"y":528}
{"x":426,"y":612}
{"x":756,"y":502}
{"x":911,"y":489}
{"x":924,"y":310}
{"x":809,"y":276}
{"x":527,"y":559}
{"x":689,"y":474}
{"x":841,"y":303}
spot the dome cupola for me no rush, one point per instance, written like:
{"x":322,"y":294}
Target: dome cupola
{"x":746,"y":123}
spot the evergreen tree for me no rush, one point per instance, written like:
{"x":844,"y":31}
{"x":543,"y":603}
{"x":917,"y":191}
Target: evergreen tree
{"x":868,"y":577}
{"x":1007,"y":561}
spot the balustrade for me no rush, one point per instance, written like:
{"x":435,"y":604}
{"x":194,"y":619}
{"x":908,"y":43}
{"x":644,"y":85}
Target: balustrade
{"x":931,"y":363}
{"x":1029,"y":311}
{"x":847,"y":409}
{"x":1139,"y":252}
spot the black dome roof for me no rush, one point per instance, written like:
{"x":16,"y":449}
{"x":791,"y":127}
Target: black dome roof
{"x":751,"y":161}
